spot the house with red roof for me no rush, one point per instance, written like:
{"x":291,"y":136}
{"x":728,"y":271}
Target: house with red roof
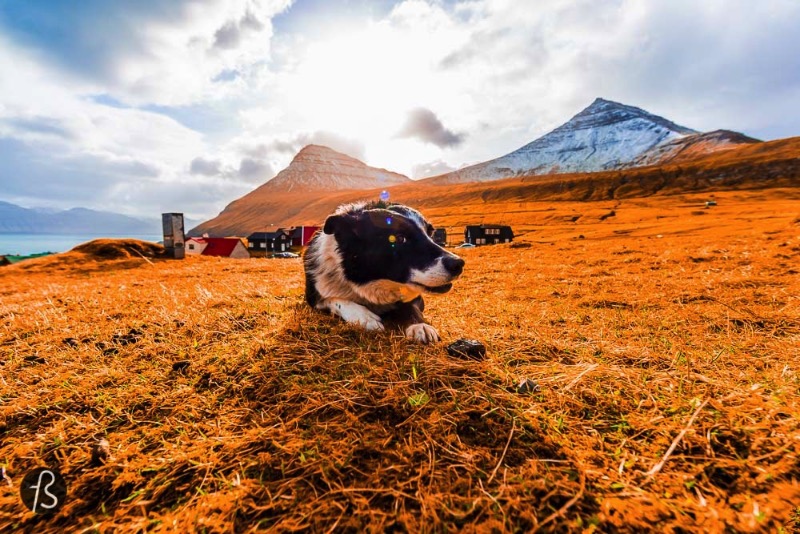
{"x":225,"y":247}
{"x":301,"y":235}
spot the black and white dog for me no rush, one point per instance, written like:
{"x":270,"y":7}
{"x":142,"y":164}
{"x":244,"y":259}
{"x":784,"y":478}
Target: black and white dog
{"x":372,"y":262}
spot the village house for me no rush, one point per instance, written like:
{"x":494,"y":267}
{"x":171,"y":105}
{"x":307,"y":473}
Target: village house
{"x":226,"y":247}
{"x":280,"y":240}
{"x":301,"y":235}
{"x":259,"y":243}
{"x":488,"y":234}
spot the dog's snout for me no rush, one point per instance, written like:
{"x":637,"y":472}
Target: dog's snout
{"x":454,"y":265}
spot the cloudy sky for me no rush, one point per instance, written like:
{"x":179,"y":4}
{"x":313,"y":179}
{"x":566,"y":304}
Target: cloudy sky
{"x":144,"y":106}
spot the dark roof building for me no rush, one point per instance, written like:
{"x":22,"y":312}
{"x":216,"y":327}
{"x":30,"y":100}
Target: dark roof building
{"x":278,"y":241}
{"x":488,"y":234}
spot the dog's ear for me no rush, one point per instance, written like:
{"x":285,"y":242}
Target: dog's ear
{"x":331,"y":224}
{"x":340,"y":225}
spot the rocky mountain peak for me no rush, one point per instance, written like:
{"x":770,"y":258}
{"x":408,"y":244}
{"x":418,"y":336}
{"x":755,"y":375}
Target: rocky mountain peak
{"x":604,"y":112}
{"x":316,"y":151}
{"x":317,"y":167}
{"x":315,"y":172}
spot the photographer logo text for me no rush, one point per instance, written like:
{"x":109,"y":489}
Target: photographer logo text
{"x":43,"y":490}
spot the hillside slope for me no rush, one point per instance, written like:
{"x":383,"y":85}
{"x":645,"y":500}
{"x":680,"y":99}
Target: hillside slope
{"x":692,"y":147}
{"x":749,"y":166}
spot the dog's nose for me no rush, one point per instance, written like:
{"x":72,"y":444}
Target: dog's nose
{"x":454,"y":265}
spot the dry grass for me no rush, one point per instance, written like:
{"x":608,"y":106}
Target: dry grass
{"x":667,"y":367}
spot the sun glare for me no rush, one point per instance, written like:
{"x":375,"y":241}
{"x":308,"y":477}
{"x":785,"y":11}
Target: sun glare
{"x":361,"y":84}
{"x":358,"y":84}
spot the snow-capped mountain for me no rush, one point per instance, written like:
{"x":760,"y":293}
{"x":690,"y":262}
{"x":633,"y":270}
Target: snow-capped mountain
{"x":320,"y":168}
{"x":606,"y":135}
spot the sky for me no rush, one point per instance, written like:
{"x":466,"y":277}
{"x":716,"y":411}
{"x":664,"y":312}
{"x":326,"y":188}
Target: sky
{"x":149,"y":106}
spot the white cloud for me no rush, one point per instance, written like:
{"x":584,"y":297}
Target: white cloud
{"x":77,"y":152}
{"x":206,"y":167}
{"x":431,"y":168}
{"x":255,"y":170}
{"x":424,"y":125}
{"x":500,"y":72}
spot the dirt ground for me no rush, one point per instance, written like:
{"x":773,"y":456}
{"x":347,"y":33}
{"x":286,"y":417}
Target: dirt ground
{"x":663,"y":338}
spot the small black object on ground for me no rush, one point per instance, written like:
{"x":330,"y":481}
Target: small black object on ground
{"x":180,"y":366}
{"x":467,"y":348}
{"x":101,"y":452}
{"x":528,"y":386}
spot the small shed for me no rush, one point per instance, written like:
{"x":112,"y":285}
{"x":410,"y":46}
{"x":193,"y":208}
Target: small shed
{"x":488,"y":234}
{"x":440,"y":236}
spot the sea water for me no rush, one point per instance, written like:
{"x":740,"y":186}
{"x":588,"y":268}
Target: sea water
{"x":25,"y":244}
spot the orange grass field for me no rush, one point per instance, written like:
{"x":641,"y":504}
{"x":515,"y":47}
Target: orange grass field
{"x":665,"y":341}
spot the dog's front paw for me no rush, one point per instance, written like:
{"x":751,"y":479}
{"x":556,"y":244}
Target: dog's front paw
{"x":422,"y":333}
{"x":357,"y":314}
{"x":370,"y":322}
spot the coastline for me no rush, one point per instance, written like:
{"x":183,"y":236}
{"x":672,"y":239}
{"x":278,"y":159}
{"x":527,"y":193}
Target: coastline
{"x":27,"y":244}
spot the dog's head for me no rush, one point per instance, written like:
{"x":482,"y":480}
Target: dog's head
{"x":392,"y":244}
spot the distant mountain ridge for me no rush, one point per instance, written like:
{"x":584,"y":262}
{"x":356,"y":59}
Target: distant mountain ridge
{"x":18,"y":220}
{"x":605,"y":136}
